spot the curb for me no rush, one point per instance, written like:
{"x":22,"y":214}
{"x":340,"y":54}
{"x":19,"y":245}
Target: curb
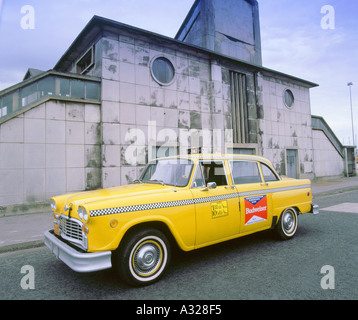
{"x":333,"y":192}
{"x":22,"y":246}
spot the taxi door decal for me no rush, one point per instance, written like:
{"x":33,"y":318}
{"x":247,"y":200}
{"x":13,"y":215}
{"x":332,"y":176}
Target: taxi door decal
{"x":255,"y":209}
{"x":219,"y":209}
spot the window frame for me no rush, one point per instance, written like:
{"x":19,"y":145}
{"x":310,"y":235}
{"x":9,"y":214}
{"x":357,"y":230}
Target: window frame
{"x":82,"y":67}
{"x":199,"y":165}
{"x":289,"y":104}
{"x":154,"y":76}
{"x":197,"y":168}
{"x":239,"y":107}
{"x":231,"y":162}
{"x":271,"y":170}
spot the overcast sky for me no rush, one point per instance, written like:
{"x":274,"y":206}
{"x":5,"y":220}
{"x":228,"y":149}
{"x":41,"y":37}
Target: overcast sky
{"x":297,"y":39}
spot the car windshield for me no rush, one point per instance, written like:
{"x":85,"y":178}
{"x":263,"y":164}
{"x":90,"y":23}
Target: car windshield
{"x":174,"y":172}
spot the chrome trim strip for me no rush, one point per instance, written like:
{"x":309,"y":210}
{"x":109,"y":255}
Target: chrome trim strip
{"x":178,"y":203}
{"x":272,"y":190}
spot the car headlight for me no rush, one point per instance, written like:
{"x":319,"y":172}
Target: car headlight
{"x":82,"y":213}
{"x":85,"y":215}
{"x":53,"y":205}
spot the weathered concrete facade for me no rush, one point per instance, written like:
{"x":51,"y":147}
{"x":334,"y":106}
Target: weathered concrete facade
{"x":328,"y":160}
{"x":287,"y":128}
{"x":229,"y":27}
{"x":50,"y":149}
{"x":120,"y":96}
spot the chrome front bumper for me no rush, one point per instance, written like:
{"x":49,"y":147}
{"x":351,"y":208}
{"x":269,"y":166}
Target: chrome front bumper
{"x":76,"y":260}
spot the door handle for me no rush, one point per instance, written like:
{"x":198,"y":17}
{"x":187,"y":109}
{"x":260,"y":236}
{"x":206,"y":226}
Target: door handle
{"x":264,"y":184}
{"x":230,"y":187}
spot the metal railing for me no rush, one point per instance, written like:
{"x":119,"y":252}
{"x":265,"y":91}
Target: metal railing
{"x":318,"y":123}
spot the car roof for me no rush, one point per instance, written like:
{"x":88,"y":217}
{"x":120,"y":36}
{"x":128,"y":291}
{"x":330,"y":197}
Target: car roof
{"x":220,"y":156}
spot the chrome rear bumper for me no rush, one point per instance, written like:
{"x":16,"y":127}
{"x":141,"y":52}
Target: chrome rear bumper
{"x":76,"y":260}
{"x":314,"y":209}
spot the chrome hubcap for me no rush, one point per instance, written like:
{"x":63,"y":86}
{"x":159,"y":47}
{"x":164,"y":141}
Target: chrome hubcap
{"x":147,"y":258}
{"x":288,"y":222}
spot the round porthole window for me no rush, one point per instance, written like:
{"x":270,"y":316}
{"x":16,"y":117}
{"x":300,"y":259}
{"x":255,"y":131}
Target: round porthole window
{"x":163,"y":71}
{"x":289,"y":98}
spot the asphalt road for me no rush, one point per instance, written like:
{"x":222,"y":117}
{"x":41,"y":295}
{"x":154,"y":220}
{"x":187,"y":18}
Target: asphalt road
{"x":254,"y":267}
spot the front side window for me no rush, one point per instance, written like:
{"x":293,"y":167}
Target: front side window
{"x":212,"y":171}
{"x":173,"y":172}
{"x":198,"y":180}
{"x":244,"y":172}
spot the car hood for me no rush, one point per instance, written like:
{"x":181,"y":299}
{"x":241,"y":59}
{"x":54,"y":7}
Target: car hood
{"x":110,"y":195}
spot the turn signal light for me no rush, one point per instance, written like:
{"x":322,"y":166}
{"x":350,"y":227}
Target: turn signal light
{"x":114,"y":223}
{"x":85,"y":229}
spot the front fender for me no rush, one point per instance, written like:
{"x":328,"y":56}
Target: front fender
{"x":184,"y":241}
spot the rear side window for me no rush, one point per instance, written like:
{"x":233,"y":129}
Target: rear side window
{"x":244,"y":172}
{"x":269,"y":175}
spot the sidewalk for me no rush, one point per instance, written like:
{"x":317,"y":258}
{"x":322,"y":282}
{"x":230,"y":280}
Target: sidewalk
{"x":27,"y":231}
{"x":326,"y":186}
{"x":24,"y":231}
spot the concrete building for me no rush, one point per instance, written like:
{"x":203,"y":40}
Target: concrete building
{"x":120,"y":96}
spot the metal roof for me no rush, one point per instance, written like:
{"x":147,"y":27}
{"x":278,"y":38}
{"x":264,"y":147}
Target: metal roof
{"x":99,"y":27}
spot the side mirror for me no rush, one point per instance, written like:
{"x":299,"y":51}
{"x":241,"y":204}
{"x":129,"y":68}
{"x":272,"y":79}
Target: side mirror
{"x":210,"y":185}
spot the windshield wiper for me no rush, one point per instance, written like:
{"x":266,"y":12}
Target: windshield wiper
{"x":137,"y":181}
{"x":156,"y":181}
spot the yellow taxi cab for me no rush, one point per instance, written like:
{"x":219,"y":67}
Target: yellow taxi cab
{"x":190,"y":202}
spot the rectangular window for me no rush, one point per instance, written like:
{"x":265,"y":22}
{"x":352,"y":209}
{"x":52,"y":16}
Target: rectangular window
{"x":242,"y":151}
{"x":64,"y":87}
{"x":214,"y":172}
{"x":3,"y":111}
{"x":86,"y":62}
{"x":93,"y":91}
{"x":77,"y":89}
{"x":239,"y":107}
{"x":244,"y":172}
{"x":164,"y":151}
{"x":46,"y":87}
{"x":9,"y":103}
{"x":29,"y":94}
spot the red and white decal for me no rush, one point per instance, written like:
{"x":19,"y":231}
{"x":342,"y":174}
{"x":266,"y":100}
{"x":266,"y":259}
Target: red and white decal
{"x":255,"y":209}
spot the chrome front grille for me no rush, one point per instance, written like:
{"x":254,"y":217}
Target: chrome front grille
{"x":71,"y":230}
